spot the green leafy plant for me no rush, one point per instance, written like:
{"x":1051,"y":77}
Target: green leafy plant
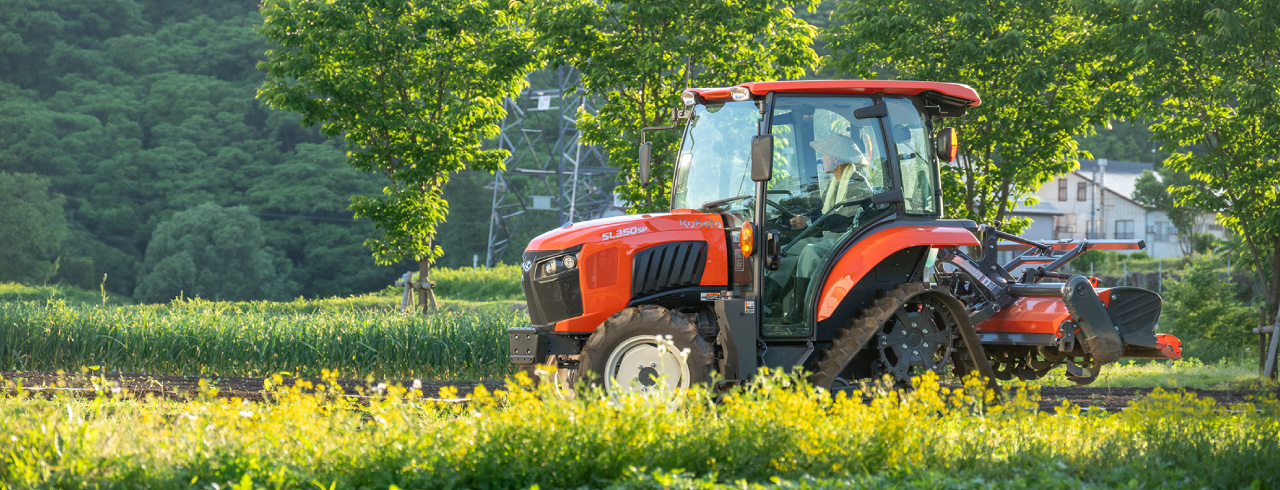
{"x":776,"y":432}
{"x":1210,"y":320}
{"x":415,"y":89}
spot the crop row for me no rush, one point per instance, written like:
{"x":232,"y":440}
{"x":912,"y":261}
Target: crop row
{"x":199,"y":338}
{"x":777,"y":429}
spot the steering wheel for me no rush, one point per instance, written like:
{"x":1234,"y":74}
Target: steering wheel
{"x":864,"y":202}
{"x":787,"y":214}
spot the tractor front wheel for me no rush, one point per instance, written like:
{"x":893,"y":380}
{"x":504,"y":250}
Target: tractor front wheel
{"x":647,"y":349}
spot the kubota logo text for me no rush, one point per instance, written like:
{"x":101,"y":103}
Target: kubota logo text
{"x":694,"y":223}
{"x":634,"y":230}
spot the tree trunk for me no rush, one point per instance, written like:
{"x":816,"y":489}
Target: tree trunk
{"x":426,"y":297}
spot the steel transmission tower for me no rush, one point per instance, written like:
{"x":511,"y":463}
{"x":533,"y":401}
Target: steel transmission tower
{"x":549,"y":170}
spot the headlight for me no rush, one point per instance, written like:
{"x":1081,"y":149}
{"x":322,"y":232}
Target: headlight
{"x":556,"y":265}
{"x":689,"y":98}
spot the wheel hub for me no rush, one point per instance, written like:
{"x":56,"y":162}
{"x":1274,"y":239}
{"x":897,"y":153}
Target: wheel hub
{"x":915,"y":337}
{"x":648,"y":363}
{"x":648,"y":376}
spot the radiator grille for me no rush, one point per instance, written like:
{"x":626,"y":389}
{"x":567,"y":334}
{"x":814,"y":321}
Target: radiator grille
{"x":668,"y":266}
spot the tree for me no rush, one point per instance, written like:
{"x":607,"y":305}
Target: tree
{"x":637,"y":56}
{"x":214,"y":253}
{"x":1152,"y":190}
{"x":415,"y":88}
{"x":1040,"y":81}
{"x":1129,"y":141}
{"x":1212,"y":78}
{"x":137,"y":109}
{"x":32,"y":225}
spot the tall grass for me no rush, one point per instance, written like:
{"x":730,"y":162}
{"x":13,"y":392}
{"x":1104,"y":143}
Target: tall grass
{"x":20,"y":292}
{"x":777,"y":431}
{"x":202,"y":338}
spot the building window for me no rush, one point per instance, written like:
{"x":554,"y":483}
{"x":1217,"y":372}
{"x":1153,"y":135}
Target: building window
{"x":1124,"y":229}
{"x":1082,"y":192}
{"x":1163,"y":230}
{"x":1062,"y":189}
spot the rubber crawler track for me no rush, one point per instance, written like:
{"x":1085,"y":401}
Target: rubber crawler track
{"x":851,"y":339}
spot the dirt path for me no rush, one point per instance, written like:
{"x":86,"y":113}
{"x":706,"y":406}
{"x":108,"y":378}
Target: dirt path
{"x":181,"y":387}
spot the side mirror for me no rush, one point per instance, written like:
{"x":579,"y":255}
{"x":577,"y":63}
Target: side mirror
{"x":946,"y":144}
{"x":880,"y":109}
{"x":644,"y":164}
{"x":762,"y":157}
{"x":888,"y":197}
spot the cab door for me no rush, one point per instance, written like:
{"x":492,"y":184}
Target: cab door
{"x":827,"y":164}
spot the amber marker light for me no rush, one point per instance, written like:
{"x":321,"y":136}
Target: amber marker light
{"x":955,"y":145}
{"x":748,"y":239}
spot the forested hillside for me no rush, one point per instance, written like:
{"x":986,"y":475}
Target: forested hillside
{"x":137,"y":110}
{"x":132,"y":146}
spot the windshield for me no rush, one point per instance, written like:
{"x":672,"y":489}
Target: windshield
{"x":715,"y":157}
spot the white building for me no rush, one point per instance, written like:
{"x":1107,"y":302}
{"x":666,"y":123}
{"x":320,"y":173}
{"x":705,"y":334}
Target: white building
{"x":1096,"y":201}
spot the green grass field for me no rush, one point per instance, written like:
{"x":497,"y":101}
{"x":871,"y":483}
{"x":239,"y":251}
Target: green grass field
{"x":777,"y":432}
{"x":51,"y":328}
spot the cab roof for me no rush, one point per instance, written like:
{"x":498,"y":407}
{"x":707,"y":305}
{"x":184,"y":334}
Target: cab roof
{"x":957,"y":94}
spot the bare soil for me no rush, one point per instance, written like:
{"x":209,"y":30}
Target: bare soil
{"x":185,"y":387}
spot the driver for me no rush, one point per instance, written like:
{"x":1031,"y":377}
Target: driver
{"x":847,"y":165}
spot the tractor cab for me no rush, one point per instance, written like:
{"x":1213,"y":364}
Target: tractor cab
{"x":838,"y":158}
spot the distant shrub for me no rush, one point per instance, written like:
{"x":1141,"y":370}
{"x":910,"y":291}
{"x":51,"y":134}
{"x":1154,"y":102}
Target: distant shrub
{"x":1203,"y":311}
{"x":498,"y":283}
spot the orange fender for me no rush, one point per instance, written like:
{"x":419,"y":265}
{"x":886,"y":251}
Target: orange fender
{"x":873,"y":249}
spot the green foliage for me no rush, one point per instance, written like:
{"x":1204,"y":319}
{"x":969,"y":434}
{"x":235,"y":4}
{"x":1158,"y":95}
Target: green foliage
{"x":355,"y":336}
{"x":32,"y":226}
{"x":1209,"y":74}
{"x":137,"y":109}
{"x":415,"y":89}
{"x":1209,"y":319}
{"x":1041,"y":81}
{"x":637,"y":56}
{"x":214,"y":253}
{"x":776,"y":433}
{"x":1130,"y":141}
{"x":498,"y":283}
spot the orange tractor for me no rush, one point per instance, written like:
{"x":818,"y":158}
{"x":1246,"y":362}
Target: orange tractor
{"x":806,"y":230}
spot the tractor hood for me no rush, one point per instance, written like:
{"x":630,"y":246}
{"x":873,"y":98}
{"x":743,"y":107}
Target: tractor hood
{"x":576,"y":275}
{"x":632,"y":229}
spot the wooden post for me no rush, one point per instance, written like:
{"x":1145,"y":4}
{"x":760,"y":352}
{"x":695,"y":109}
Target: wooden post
{"x":1270,"y":370}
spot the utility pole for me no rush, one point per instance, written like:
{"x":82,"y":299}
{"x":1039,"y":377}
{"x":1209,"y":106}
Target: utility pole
{"x":1099,"y":209}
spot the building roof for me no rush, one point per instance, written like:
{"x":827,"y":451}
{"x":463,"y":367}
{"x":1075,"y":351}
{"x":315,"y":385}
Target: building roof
{"x":959,"y":93}
{"x":1041,"y":208}
{"x":1121,"y":177}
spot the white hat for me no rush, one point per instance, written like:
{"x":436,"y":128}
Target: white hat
{"x":840,"y":147}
